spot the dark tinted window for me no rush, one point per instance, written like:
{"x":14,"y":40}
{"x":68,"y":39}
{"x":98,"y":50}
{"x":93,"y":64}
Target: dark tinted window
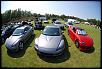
{"x":26,"y":29}
{"x":70,"y":23}
{"x":51,"y":31}
{"x":57,"y":22}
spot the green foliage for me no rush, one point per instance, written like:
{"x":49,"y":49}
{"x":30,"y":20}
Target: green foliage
{"x":10,"y":15}
{"x":94,"y":22}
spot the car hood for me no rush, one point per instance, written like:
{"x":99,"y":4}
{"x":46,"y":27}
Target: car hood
{"x":46,"y":41}
{"x":11,"y":40}
{"x":87,"y":39}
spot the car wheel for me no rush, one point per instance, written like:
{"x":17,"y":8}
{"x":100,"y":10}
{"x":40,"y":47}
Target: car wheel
{"x":77,"y":44}
{"x":21,"y":45}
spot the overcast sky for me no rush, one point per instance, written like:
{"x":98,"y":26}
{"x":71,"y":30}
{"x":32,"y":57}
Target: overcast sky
{"x":81,"y":9}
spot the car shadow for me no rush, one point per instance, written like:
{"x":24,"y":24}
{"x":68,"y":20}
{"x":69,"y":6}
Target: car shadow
{"x":90,"y":51}
{"x":20,"y":53}
{"x":57,"y":59}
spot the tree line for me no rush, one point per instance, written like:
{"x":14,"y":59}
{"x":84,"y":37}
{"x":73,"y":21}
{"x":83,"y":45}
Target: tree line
{"x":11,"y":15}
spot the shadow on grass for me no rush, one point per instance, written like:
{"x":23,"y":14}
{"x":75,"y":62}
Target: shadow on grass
{"x":90,"y":51}
{"x":57,"y":59}
{"x":20,"y":53}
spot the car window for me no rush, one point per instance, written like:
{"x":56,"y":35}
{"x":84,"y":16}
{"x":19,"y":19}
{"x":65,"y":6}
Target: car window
{"x":18,"y":32}
{"x":51,"y":31}
{"x":70,"y":23}
{"x":57,"y":22}
{"x":26,"y":29}
{"x":81,"y":32}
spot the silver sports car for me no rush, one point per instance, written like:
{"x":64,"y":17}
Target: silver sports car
{"x":58,"y":23}
{"x":50,"y":42}
{"x":18,"y":38}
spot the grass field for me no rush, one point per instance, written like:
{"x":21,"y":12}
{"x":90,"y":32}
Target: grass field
{"x":72,"y":57}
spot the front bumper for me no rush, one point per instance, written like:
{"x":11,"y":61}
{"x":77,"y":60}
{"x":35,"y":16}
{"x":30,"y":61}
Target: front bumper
{"x":85,"y":48}
{"x":47,"y":53}
{"x":13,"y":49}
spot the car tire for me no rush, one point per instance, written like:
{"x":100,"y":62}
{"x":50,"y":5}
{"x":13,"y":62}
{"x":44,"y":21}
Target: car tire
{"x":77,"y":43}
{"x":21,"y":45}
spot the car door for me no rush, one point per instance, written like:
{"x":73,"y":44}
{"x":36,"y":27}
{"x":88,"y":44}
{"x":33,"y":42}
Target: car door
{"x":26,"y":33}
{"x":72,"y":33}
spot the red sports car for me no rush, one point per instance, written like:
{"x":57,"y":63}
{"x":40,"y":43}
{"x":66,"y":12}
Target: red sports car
{"x":80,"y":37}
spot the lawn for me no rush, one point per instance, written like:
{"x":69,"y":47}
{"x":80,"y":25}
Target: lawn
{"x":72,"y":57}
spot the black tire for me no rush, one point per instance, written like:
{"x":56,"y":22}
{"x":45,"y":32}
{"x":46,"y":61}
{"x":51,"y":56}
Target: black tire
{"x":21,"y":45}
{"x":77,"y":43}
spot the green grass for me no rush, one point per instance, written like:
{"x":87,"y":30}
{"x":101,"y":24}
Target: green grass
{"x":72,"y":58}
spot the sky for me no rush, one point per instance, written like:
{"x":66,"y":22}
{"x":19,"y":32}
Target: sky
{"x":81,"y":9}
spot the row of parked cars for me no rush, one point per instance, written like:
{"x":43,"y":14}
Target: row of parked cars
{"x":7,"y":30}
{"x":50,"y":41}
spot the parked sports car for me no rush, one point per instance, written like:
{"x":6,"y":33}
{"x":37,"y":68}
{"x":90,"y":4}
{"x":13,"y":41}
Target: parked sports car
{"x":58,"y":23}
{"x":7,"y":32}
{"x":80,"y":37}
{"x":68,"y":24}
{"x":38,"y":24}
{"x":45,"y":21}
{"x":50,"y":42}
{"x":16,"y":41}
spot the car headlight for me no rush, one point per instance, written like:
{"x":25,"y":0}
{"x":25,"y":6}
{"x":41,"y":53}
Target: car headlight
{"x":36,"y":46}
{"x":61,"y":45}
{"x":83,"y":42}
{"x":36,"y":41}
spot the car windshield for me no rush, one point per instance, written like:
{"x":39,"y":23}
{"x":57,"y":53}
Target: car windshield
{"x":18,"y":32}
{"x":70,"y":23}
{"x":57,"y":22}
{"x":51,"y":31}
{"x":82,"y":32}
